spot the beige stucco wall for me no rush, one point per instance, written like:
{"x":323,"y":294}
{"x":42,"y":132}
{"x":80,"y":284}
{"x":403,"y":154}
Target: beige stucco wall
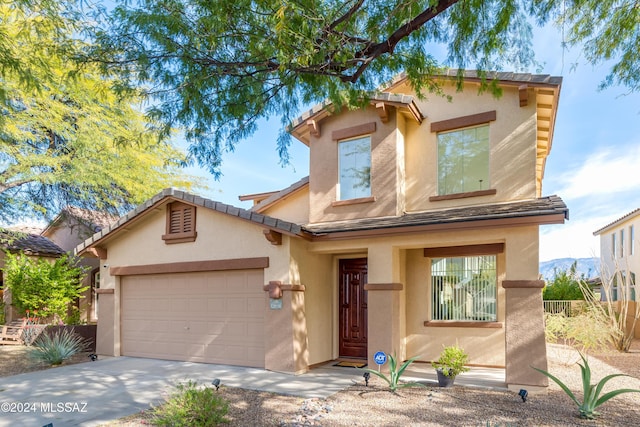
{"x":512,"y":139}
{"x":220,"y":237}
{"x":401,"y":260}
{"x":323,"y":169}
{"x":315,"y":272}
{"x":294,"y":208}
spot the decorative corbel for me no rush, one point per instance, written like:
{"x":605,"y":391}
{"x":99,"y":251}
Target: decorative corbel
{"x":273,"y":236}
{"x":523,"y":92}
{"x":381,"y":108}
{"x":314,"y":127}
{"x":274,"y":289}
{"x":98,"y":252}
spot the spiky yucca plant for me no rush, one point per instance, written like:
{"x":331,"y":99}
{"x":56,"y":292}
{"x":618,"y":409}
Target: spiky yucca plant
{"x":591,"y":398}
{"x":57,"y":347}
{"x":395,"y":373}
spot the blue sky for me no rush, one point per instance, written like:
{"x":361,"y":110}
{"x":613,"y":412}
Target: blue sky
{"x":594,"y":163}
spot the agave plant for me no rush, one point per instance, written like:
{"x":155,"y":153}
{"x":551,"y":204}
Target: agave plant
{"x":591,"y":398}
{"x":395,"y":373}
{"x":57,"y":347}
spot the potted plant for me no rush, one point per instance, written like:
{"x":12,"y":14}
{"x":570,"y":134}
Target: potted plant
{"x":450,"y":364}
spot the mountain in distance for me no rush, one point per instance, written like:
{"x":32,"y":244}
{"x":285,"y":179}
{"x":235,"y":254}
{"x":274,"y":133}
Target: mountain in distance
{"x":590,"y":267}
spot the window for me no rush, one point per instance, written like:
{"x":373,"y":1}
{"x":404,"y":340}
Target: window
{"x":463,"y":160}
{"x":631,"y":240}
{"x":464,"y":288}
{"x":354,"y":157}
{"x":622,"y":243}
{"x":181,"y":223}
{"x":613,"y":245}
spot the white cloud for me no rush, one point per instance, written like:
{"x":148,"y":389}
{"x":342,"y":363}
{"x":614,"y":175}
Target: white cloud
{"x":570,"y":240}
{"x":603,"y":173}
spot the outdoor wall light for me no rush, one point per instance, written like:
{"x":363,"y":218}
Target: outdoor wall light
{"x":216,"y":383}
{"x":366,"y":377}
{"x":93,"y":357}
{"x":523,"y":394}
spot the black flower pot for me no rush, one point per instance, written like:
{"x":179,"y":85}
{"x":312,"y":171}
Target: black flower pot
{"x":443,"y":380}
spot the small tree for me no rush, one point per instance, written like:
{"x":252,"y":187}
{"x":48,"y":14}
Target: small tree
{"x":565,"y":285}
{"x":618,"y":310}
{"x":46,"y":286}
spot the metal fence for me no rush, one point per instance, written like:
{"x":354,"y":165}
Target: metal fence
{"x":566,"y":307}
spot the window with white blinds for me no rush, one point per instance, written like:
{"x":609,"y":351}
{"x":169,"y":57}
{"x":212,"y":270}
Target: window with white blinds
{"x":464,"y":288}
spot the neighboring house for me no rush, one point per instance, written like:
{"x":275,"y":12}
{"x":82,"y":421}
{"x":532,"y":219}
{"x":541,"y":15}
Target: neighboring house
{"x":71,"y":227}
{"x":417,"y":227}
{"x":619,"y":255}
{"x":32,"y":244}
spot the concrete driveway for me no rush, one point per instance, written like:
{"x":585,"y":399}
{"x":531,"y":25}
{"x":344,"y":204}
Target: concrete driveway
{"x":93,"y":393}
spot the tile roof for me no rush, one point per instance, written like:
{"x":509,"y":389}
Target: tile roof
{"x":171,"y":193}
{"x":544,"y":206}
{"x":30,"y":244}
{"x":623,"y":218}
{"x":503,"y":76}
{"x":264,"y":204}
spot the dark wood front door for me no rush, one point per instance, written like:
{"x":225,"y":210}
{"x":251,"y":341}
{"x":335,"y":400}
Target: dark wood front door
{"x":353,"y":308}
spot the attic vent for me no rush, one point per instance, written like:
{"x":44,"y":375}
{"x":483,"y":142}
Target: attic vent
{"x":181,"y":223}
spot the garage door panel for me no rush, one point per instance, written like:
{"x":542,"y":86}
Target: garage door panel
{"x":213,"y":317}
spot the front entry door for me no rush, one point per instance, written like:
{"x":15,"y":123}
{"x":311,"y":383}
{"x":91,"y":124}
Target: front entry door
{"x":353,"y":308}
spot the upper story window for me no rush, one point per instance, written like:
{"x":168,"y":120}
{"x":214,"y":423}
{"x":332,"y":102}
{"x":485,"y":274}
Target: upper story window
{"x":354,"y":158}
{"x":614,"y":246}
{"x":632,"y":238}
{"x":463,"y":160}
{"x":464,"y":288}
{"x":181,"y":223}
{"x":622,"y":243}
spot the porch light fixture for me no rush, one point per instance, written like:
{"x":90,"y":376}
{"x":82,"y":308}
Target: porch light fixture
{"x":216,"y":383}
{"x":93,"y":357}
{"x":523,"y":394}
{"x":366,"y":377}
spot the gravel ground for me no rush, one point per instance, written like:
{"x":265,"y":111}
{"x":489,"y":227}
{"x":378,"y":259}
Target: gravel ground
{"x":459,"y":406}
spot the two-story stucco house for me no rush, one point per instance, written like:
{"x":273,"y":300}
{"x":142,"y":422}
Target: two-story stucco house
{"x":416,"y":228}
{"x":619,"y":257}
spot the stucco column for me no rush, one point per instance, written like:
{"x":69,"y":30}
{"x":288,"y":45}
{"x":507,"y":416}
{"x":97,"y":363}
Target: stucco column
{"x":525,"y":341}
{"x":285,"y":338}
{"x":385,"y":305}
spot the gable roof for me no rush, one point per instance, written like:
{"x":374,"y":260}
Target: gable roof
{"x":170,"y":194}
{"x":281,"y":195}
{"x":29,"y":243}
{"x":545,"y":210}
{"x":618,"y":221}
{"x":93,"y":220}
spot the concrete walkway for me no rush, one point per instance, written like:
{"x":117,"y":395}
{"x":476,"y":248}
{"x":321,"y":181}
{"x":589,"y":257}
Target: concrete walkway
{"x":93,"y":393}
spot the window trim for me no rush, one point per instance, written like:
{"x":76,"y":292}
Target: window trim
{"x":492,"y":249}
{"x":180,"y":237}
{"x":355,"y":200}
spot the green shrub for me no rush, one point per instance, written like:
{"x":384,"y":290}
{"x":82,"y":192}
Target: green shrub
{"x":191,"y":406}
{"x":393,"y":380}
{"x":57,"y":347}
{"x":452,"y":361}
{"x":591,"y":398}
{"x":43,"y":286}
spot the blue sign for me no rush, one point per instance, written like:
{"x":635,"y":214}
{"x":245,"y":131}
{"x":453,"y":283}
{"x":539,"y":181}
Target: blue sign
{"x":380,"y":358}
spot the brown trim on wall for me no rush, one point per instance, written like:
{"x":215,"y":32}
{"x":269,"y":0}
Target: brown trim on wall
{"x":462,"y":324}
{"x":469,"y":250}
{"x":464,"y":121}
{"x":293,"y":288}
{"x":353,"y":131}
{"x":104,"y":291}
{"x":383,"y":286}
{"x":526,"y":284}
{"x":489,"y":192}
{"x":192,"y":266}
{"x":358,"y":201}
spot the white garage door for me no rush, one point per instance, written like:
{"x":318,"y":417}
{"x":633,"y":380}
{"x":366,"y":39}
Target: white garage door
{"x":211,"y":317}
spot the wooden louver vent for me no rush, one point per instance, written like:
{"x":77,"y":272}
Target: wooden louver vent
{"x":181,"y":223}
